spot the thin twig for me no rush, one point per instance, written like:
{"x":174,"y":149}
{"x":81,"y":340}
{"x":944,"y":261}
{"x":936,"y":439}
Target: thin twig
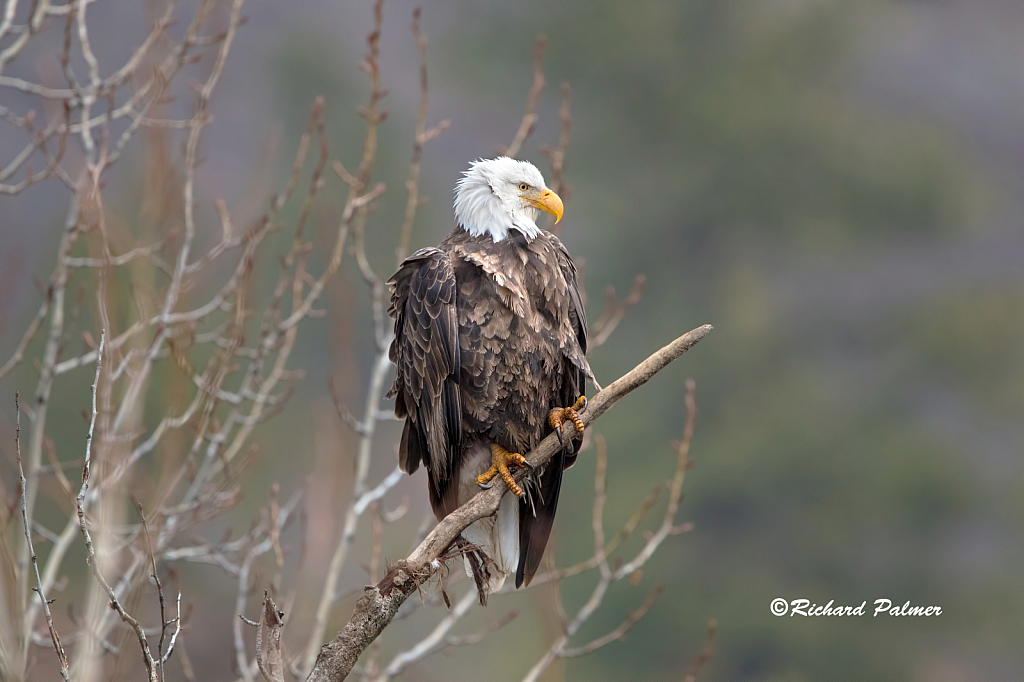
{"x":420,"y":137}
{"x":161,"y":656}
{"x":597,"y":517}
{"x":557,"y":155}
{"x":705,"y":653}
{"x":61,"y":656}
{"x":115,"y":603}
{"x":530,"y":116}
{"x":614,"y":312}
{"x":675,"y":490}
{"x":619,"y":632}
{"x":55,"y":293}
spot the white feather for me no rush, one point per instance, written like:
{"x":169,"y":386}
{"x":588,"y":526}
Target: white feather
{"x":498,"y":535}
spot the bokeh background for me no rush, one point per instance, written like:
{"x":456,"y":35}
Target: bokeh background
{"x":835,"y":186}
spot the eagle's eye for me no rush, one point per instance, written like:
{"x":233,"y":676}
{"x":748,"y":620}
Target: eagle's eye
{"x":523,"y":187}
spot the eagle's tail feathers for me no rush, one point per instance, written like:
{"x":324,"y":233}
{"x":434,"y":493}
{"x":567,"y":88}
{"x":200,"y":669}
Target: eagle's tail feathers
{"x":536,"y":517}
{"x":498,"y":539}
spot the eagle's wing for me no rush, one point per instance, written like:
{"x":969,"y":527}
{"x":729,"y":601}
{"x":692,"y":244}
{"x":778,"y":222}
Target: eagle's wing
{"x":577,"y":369}
{"x":537,"y":515}
{"x":578,"y":320}
{"x":426,"y":354}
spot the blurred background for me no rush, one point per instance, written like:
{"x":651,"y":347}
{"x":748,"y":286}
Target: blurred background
{"x":835,"y":186}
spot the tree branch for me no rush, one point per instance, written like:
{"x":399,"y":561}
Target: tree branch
{"x":380,"y":602}
{"x":54,"y":637}
{"x":530,"y":116}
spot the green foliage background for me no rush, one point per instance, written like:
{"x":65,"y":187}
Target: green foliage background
{"x":859,"y":430}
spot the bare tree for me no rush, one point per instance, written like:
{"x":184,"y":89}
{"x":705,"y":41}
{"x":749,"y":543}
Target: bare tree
{"x":155,"y":309}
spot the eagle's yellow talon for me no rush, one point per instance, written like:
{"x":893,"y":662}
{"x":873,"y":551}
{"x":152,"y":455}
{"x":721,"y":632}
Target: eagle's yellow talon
{"x":501,"y":459}
{"x":560,"y":415}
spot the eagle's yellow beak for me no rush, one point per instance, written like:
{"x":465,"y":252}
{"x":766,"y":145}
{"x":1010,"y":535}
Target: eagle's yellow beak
{"x":549,"y":202}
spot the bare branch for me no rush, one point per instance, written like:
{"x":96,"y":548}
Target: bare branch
{"x":614,"y":312}
{"x":174,"y":635}
{"x":115,"y":603}
{"x":530,"y":116}
{"x":55,"y":293}
{"x":139,"y":252}
{"x":557,"y":155}
{"x":379,"y":604}
{"x":675,"y":491}
{"x":161,"y":656}
{"x":619,"y":632}
{"x":421,"y":136}
{"x":26,"y":338}
{"x":269,"y":656}
{"x":597,"y":516}
{"x":61,"y":657}
{"x":199,"y":120}
{"x":705,"y":654}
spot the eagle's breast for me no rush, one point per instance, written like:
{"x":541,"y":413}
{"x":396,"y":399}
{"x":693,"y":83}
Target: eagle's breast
{"x":513,"y":329}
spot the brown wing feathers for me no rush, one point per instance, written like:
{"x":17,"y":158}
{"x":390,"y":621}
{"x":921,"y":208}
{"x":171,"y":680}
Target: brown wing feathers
{"x":426,"y":354}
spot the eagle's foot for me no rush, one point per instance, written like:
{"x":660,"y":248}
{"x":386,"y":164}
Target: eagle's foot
{"x":560,"y":415}
{"x":501,"y":460}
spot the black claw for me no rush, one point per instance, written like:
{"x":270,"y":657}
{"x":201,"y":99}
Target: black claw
{"x":585,"y":401}
{"x":558,"y":430}
{"x":529,"y":466}
{"x":571,"y":448}
{"x":485,"y":486}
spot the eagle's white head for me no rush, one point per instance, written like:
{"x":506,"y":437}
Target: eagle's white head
{"x":502,"y":194}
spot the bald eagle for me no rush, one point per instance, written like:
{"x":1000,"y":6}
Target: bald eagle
{"x":490,"y":347}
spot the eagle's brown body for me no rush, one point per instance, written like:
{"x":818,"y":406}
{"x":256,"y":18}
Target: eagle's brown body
{"x":489,"y":337}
